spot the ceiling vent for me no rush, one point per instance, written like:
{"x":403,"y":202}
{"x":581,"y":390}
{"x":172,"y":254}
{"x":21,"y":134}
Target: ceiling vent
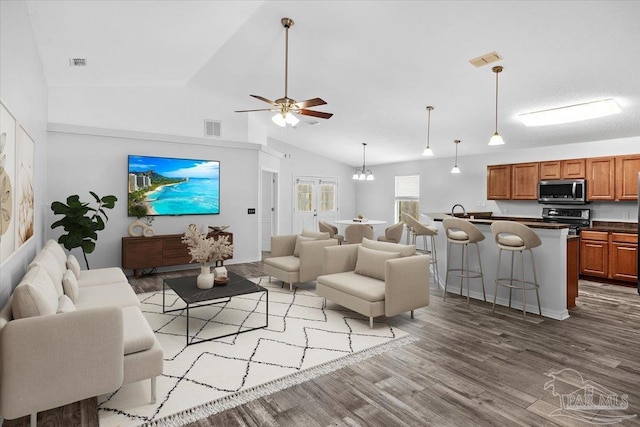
{"x":78,"y":62}
{"x":312,"y":122}
{"x":213,"y":128}
{"x":487,"y":59}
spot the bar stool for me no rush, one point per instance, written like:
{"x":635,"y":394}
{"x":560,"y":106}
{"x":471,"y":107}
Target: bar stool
{"x":462,"y":232}
{"x":515,"y":237}
{"x":416,"y":229}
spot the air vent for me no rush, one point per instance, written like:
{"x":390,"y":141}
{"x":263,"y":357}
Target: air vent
{"x":213,"y":128}
{"x":312,"y":122}
{"x":483,"y":60}
{"x":78,"y":62}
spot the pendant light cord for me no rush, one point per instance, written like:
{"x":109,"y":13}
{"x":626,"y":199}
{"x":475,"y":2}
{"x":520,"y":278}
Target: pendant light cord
{"x":497,"y":101}
{"x":286,"y":60}
{"x":428,"y":125}
{"x":364,"y":147}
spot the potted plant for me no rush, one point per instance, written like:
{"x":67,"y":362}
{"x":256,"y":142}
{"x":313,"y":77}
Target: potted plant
{"x":205,"y":250}
{"x":81,"y":221}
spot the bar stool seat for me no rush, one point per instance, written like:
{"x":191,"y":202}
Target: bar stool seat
{"x":462,"y":232}
{"x":515,"y":237}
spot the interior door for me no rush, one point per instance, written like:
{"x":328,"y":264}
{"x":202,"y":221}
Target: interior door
{"x":267,"y":210}
{"x":315,"y":198}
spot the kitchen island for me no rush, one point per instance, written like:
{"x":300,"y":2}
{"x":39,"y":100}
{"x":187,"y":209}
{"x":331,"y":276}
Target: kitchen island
{"x":554,"y":266}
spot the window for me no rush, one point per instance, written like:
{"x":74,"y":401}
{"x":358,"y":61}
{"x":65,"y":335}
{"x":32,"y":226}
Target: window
{"x":327,"y":202}
{"x":304,"y":197}
{"x":407,"y":196}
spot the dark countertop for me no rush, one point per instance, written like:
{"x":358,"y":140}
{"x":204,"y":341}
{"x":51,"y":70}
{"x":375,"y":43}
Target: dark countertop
{"x":531,"y":222}
{"x":613,"y":226}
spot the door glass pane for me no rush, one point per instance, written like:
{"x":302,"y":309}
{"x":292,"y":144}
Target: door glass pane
{"x":304,"y":197}
{"x":327,"y":202}
{"x":410,"y":207}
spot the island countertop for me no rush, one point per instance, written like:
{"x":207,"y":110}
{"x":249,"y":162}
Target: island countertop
{"x":531,"y":222}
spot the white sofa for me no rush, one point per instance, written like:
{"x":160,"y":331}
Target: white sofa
{"x":67,"y":335}
{"x":375,"y":278}
{"x":297,"y":258}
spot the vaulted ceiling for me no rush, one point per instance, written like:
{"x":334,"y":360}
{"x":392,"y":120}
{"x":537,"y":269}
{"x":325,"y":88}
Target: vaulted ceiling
{"x":377,"y":64}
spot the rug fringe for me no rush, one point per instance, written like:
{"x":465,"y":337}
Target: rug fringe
{"x":228,"y":402}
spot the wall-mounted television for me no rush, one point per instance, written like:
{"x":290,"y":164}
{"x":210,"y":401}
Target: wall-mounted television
{"x":171,"y":186}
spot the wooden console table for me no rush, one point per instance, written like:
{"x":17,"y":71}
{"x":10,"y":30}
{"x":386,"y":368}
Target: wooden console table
{"x":157,"y":251}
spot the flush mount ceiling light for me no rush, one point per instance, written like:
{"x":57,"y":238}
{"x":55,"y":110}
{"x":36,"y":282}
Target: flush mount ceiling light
{"x":455,"y":168}
{"x":571,"y":113}
{"x":428,"y":151}
{"x":496,"y":139}
{"x":363,"y":174}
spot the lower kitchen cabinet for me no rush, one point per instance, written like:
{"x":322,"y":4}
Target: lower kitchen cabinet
{"x":609,"y":255}
{"x":594,"y":253}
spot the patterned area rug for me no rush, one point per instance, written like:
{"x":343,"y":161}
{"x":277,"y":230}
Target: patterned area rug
{"x":303,"y":340}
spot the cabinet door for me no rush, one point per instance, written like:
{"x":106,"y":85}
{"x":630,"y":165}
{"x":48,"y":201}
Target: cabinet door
{"x":601,"y":178}
{"x":499,"y":182}
{"x":524,"y":181}
{"x":550,"y":170}
{"x":174,"y":252}
{"x":574,"y":169}
{"x":623,"y":263}
{"x":627,"y":168}
{"x":141,"y":252}
{"x":594,"y":258}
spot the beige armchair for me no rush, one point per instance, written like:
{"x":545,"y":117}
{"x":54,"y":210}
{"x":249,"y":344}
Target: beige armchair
{"x":297,"y":258}
{"x":375,"y":278}
{"x":393,"y":234}
{"x":325,"y":227}
{"x":356,"y":232}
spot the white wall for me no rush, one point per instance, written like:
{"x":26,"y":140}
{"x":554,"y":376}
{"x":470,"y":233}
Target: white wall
{"x":82,"y":160}
{"x":440,"y":190}
{"x":23,"y":90}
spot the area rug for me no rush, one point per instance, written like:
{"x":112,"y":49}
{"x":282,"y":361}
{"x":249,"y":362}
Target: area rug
{"x":303,"y":340}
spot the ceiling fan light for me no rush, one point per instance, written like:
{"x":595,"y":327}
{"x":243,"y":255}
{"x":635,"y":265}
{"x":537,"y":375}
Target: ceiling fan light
{"x":291,"y":119}
{"x":496,"y":139}
{"x":279,"y":120}
{"x":455,"y":170}
{"x":427,"y":152}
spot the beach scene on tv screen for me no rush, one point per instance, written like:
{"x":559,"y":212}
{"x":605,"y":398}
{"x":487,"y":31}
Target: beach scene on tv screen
{"x":168,"y":186}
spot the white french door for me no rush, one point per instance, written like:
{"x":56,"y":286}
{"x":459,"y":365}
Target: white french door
{"x":315,"y":199}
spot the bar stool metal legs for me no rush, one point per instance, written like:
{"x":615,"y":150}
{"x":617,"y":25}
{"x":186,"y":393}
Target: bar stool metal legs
{"x":521,"y":283}
{"x":464,"y":272}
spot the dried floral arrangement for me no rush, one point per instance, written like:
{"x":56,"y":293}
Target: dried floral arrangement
{"x":205,"y":249}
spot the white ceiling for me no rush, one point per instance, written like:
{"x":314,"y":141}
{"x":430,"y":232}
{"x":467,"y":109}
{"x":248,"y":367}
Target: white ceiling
{"x":378,"y":64}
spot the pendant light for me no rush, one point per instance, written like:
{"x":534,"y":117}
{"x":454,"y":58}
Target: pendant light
{"x":455,"y":168}
{"x":427,"y":151}
{"x":496,"y":139}
{"x":363,"y":174}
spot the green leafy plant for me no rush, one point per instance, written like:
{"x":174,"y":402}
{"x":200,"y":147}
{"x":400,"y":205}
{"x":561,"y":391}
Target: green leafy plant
{"x":82,"y":221}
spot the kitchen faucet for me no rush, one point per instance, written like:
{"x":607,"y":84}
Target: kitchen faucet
{"x":464,"y":211}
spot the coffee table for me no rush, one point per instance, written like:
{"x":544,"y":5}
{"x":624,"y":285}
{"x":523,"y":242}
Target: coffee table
{"x":186,"y":289}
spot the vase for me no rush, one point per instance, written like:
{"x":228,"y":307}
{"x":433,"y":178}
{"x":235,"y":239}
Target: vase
{"x":205,"y":278}
{"x":137,"y":228}
{"x":148,"y":231}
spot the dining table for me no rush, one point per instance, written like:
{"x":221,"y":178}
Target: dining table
{"x":364,"y":221}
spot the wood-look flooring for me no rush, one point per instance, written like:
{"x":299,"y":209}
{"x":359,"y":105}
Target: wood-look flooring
{"x":468,"y":368}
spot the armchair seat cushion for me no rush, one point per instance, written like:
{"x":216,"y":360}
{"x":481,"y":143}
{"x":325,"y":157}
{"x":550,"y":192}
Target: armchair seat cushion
{"x":287,"y":263}
{"x":363,"y":287}
{"x":138,"y":335}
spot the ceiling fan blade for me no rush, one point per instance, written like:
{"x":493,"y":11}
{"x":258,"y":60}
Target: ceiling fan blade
{"x":309,"y":103}
{"x":249,"y":111}
{"x":320,"y":114}
{"x":261,"y":98}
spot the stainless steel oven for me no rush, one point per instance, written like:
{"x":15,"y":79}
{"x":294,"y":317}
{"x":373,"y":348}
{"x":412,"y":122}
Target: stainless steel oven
{"x":575,"y":217}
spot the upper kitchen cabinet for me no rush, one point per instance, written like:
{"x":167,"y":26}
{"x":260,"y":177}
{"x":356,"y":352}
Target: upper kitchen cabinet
{"x":601,"y":178}
{"x":550,"y":170}
{"x":524,"y":181}
{"x":499,"y":182}
{"x":574,"y":169}
{"x":627,"y":169}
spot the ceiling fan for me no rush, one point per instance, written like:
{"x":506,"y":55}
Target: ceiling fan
{"x":287,"y":107}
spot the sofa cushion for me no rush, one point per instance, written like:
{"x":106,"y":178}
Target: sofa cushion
{"x":319,"y":235}
{"x":70,"y":285}
{"x":300,"y":239}
{"x":35,"y":295}
{"x":349,"y":282}
{"x":138,"y":335}
{"x":118,"y":294}
{"x":74,"y":265}
{"x":5,"y":314}
{"x":287,"y":263}
{"x":371,"y":262}
{"x":65,"y":305}
{"x":101,"y":276}
{"x":405,"y":250}
{"x":57,"y":251}
{"x":49,"y":262}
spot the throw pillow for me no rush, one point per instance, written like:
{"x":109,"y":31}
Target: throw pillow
{"x":405,"y":250}
{"x":35,"y":295}
{"x":74,"y":265}
{"x":65,"y":305}
{"x":318,"y":235}
{"x":70,"y":285}
{"x":371,"y":262}
{"x":300,"y":239}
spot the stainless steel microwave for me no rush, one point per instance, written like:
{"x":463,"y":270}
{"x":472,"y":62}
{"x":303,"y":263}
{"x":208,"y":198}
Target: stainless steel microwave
{"x":563,"y":192}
